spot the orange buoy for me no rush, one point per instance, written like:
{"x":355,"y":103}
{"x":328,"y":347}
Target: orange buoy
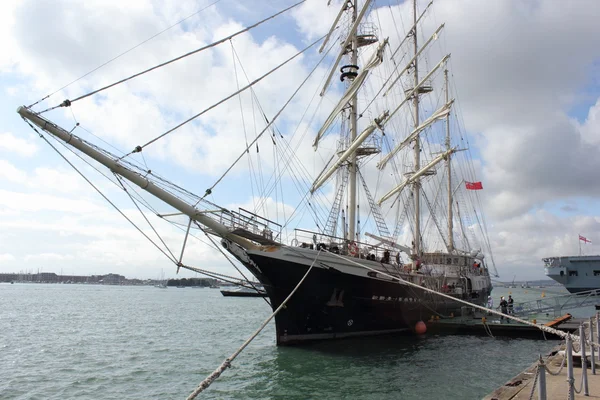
{"x":420,"y":328}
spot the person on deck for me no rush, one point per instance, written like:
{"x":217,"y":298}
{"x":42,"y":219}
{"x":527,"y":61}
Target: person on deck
{"x":510,"y":304}
{"x":503,"y":308}
{"x":490,"y":302}
{"x":386,"y":257}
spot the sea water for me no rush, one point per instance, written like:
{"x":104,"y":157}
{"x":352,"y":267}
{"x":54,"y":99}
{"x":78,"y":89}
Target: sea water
{"x":135,"y":342}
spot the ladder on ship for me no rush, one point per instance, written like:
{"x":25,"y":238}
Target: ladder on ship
{"x":377,"y":216}
{"x":332,"y":220}
{"x":558,"y":304}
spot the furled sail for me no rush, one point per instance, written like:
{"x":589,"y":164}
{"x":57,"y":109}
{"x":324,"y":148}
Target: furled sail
{"x":351,"y":149}
{"x":416,"y":175}
{"x":419,"y":85}
{"x":411,"y":62}
{"x":375,"y":60}
{"x":346,"y":43}
{"x":412,"y":29}
{"x":436,"y":116}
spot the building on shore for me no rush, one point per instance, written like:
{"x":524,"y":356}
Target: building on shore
{"x":51,"y":277}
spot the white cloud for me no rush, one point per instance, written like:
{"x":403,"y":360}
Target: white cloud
{"x":10,"y":173}
{"x":7,"y":20}
{"x":56,"y":180}
{"x":47,"y":257}
{"x":34,"y":202}
{"x":9,"y":143}
{"x":522,"y":242}
{"x":314,"y":17}
{"x":590,"y":129}
{"x":6,"y":257}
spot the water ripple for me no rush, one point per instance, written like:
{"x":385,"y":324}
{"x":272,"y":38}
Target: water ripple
{"x":102,"y":342}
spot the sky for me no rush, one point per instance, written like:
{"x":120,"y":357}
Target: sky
{"x":526,"y":75}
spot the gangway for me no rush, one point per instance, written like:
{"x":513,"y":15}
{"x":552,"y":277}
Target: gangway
{"x":557,"y":304}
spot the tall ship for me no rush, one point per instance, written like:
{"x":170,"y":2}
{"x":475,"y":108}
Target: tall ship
{"x":391,"y":221}
{"x":575,"y":273}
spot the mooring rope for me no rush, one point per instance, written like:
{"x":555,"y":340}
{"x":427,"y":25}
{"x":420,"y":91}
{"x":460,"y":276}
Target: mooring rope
{"x":227,"y":363}
{"x":488,"y":330}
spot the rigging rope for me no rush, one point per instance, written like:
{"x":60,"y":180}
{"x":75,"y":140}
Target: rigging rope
{"x":98,"y":190}
{"x":119,"y":179}
{"x":139,"y":148}
{"x":227,"y":363}
{"x":209,"y":190}
{"x":215,"y":275}
{"x":228,"y":259}
{"x":67,"y":103}
{"x":226,"y":278}
{"x":237,"y":83}
{"x":286,"y":150}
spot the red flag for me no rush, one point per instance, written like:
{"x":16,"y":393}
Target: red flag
{"x":473,"y":185}
{"x":584,"y":239}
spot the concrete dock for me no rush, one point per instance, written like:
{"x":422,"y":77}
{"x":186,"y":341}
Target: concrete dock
{"x":521,"y":386}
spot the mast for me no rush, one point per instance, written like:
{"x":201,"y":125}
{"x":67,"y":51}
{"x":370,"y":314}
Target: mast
{"x":449,"y":171}
{"x":353,"y":129}
{"x":417,"y":147}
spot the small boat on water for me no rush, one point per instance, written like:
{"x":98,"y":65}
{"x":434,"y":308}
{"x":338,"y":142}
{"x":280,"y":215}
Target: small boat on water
{"x":162,"y":283}
{"x":243,"y":292}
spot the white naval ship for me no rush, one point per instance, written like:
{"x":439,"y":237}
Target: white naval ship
{"x":575,"y":273}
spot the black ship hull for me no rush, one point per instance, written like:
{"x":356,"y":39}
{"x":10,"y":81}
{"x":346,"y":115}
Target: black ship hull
{"x":332,"y":304}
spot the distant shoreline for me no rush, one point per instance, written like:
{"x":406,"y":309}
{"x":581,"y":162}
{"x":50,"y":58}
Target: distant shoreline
{"x":108,"y":279}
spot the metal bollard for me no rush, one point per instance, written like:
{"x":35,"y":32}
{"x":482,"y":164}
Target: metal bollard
{"x":541,"y":380}
{"x":570,"y":378}
{"x":592,"y":349}
{"x":586,"y":391}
